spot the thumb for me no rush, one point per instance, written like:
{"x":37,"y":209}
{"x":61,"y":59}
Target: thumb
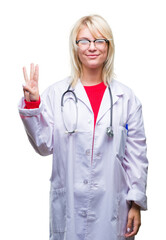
{"x":26,"y":93}
{"x":26,"y":88}
{"x":129,"y":224}
{"x":26,"y":96}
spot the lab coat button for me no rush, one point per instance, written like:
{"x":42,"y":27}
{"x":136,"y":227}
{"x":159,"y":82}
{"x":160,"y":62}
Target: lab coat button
{"x":98,"y":155}
{"x":84,"y":213}
{"x":88,"y":152}
{"x":85,"y":181}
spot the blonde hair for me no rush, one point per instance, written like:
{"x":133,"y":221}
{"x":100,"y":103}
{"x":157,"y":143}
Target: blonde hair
{"x":94,"y":23}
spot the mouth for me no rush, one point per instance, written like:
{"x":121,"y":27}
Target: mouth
{"x":92,"y":56}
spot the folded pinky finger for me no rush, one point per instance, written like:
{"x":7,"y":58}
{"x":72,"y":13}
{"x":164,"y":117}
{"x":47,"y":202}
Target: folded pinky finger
{"x":26,"y":88}
{"x":26,"y":95}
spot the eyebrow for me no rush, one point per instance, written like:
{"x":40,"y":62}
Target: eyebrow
{"x":81,"y":38}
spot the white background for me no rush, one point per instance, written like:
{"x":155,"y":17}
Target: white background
{"x":37,"y":31}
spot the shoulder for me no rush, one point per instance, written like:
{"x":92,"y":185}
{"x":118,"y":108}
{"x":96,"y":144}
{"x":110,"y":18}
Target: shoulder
{"x":124,"y":88}
{"x":118,"y":86}
{"x":126,"y":92}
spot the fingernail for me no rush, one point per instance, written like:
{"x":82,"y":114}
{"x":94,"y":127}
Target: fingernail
{"x":128,"y":230}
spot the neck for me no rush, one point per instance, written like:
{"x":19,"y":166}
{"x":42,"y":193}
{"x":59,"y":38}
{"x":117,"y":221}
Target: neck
{"x":91,"y":77}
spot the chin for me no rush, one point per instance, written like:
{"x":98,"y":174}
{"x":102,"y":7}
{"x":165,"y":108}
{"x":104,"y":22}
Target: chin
{"x":94,"y":65}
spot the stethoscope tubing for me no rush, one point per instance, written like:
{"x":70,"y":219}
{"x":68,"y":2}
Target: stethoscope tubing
{"x":68,"y":91}
{"x":109,"y":130}
{"x":62,"y":105}
{"x":111,"y":100}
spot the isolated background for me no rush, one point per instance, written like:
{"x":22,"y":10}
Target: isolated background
{"x":38,"y":31}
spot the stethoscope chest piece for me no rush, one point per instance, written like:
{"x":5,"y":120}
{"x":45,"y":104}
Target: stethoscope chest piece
{"x":109,"y":132}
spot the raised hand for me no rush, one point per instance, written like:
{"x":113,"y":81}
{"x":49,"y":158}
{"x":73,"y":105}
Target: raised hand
{"x":31,"y":90}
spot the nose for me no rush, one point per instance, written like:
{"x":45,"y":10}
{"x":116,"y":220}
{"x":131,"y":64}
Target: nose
{"x":92,"y":46}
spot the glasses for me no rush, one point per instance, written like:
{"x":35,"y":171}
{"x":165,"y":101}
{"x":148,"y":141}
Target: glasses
{"x":85,"y":43}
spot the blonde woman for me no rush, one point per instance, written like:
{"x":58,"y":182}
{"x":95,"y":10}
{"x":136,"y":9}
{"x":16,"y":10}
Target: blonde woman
{"x":93,"y":127}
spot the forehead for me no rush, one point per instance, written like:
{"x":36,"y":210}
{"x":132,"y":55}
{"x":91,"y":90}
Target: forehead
{"x":84,"y":32}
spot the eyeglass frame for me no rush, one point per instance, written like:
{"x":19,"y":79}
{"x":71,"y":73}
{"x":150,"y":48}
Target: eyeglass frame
{"x":106,"y":41}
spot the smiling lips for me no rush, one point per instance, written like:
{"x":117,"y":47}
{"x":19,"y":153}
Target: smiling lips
{"x":92,"y":56}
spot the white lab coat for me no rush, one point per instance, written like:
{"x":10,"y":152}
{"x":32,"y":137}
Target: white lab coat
{"x":94,"y":177}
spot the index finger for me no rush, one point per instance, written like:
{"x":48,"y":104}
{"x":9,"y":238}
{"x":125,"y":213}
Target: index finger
{"x":32,"y":71}
{"x":25,"y":74}
{"x":133,"y":232}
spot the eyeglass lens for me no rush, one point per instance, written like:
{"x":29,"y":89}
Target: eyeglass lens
{"x":99,"y":43}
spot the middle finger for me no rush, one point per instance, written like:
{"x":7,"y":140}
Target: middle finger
{"x":32,"y":71}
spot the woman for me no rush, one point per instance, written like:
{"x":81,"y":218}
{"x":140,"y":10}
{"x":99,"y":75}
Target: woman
{"x":96,"y":135}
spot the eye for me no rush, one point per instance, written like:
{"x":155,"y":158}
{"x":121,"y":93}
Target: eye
{"x":100,"y":41}
{"x":83,"y":42}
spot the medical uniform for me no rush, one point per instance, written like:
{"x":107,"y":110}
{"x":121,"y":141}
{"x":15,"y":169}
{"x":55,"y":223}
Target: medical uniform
{"x":94,"y":177}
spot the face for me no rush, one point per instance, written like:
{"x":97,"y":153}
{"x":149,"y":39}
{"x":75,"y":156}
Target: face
{"x":92,"y":57}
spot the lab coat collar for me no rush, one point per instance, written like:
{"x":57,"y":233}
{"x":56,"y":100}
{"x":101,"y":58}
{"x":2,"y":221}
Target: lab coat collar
{"x":105,"y":103}
{"x":82,"y":95}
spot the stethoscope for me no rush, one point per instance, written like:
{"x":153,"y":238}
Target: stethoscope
{"x":109,"y":130}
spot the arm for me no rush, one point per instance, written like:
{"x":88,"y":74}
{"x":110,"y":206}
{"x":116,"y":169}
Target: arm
{"x":135,"y":161}
{"x":38,"y":122}
{"x":136,"y":166}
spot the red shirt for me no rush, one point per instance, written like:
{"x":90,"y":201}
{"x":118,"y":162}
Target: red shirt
{"x":95,"y":94}
{"x":31,"y":105}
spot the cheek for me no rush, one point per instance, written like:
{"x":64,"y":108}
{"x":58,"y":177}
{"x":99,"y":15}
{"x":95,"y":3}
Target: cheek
{"x":102,"y":58}
{"x":81,"y":55}
{"x":105,"y":55}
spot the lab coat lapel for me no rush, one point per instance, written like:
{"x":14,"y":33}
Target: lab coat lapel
{"x":106,"y":101}
{"x":82,"y":95}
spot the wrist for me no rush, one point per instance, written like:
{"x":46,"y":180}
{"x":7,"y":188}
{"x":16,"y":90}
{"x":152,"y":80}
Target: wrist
{"x":134,"y":205}
{"x":32,"y":104}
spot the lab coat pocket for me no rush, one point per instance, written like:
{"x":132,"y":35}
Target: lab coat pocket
{"x":58,"y":210}
{"x":123,"y":209}
{"x":121,"y":142}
